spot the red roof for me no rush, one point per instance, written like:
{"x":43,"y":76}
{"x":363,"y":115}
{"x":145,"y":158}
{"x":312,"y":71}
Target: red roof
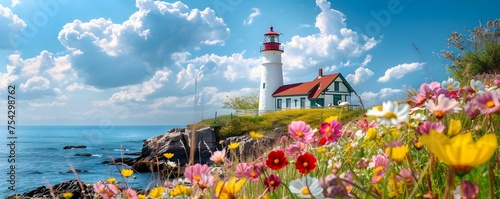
{"x":313,"y":88}
{"x":271,"y":32}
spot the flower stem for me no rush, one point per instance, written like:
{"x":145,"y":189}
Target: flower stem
{"x":491,"y":178}
{"x":451,"y":174}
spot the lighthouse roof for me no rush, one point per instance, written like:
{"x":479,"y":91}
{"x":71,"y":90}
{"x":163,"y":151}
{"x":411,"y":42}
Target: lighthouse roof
{"x":271,"y":32}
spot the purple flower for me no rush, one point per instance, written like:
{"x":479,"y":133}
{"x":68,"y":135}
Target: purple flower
{"x":488,"y":102}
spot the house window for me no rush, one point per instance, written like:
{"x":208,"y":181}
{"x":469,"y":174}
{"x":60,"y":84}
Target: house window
{"x":336,"y":86}
{"x":288,"y":102}
{"x":295,"y":100}
{"x":278,"y":103}
{"x":263,"y":85}
{"x":302,"y":102}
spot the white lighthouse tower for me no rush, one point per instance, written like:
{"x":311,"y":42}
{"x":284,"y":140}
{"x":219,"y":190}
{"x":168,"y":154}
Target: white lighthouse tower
{"x":272,"y":71}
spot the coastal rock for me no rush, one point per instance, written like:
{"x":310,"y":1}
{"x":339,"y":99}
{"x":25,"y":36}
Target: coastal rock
{"x":176,"y":141}
{"x":127,"y":161}
{"x":75,"y":147}
{"x":133,"y":154}
{"x":84,"y":154}
{"x":72,"y":186}
{"x":77,"y":170}
{"x":250,"y":148}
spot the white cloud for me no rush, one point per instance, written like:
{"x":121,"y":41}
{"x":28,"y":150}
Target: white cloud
{"x":35,"y":83}
{"x":367,"y":60}
{"x":139,"y":92}
{"x":256,"y":12}
{"x":15,"y":3}
{"x":334,"y":45}
{"x":11,"y":26}
{"x":48,"y":104}
{"x":385,"y":94}
{"x":110,"y":55}
{"x":400,"y":71}
{"x":360,"y":75}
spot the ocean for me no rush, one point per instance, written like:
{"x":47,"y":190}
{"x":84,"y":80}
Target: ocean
{"x":40,"y":157}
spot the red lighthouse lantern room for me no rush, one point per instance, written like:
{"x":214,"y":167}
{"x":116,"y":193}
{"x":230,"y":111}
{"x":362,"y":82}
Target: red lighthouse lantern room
{"x":272,"y":41}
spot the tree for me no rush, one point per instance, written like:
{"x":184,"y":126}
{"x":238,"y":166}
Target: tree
{"x":242,"y":102}
{"x":476,"y":54}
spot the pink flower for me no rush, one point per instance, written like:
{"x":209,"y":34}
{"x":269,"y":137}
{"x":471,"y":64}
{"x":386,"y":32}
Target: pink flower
{"x":331,"y":131}
{"x":283,"y":139}
{"x":380,"y":160}
{"x":364,"y":125}
{"x":488,"y":102}
{"x":295,"y":149}
{"x":471,"y":109}
{"x":241,"y":169}
{"x":193,"y":173}
{"x":427,"y":126}
{"x":206,"y":181}
{"x":218,"y":156}
{"x":427,"y":91}
{"x":497,"y":80}
{"x":407,"y":176}
{"x":444,"y":105}
{"x":130,"y":194}
{"x":300,"y":131}
{"x":105,"y":190}
{"x":253,"y":172}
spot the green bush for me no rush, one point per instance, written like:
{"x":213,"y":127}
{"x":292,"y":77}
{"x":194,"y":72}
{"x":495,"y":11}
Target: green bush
{"x":238,"y":126}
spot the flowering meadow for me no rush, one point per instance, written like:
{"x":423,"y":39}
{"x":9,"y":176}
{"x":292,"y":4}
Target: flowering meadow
{"x":442,"y":143}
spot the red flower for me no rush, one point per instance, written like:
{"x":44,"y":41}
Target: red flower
{"x":322,"y":141}
{"x":276,"y":160}
{"x":305,"y":163}
{"x":272,"y":182}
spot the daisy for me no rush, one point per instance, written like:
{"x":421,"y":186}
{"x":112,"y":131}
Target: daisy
{"x":442,"y":106}
{"x":307,"y":187}
{"x":450,"y":84}
{"x":392,"y":113}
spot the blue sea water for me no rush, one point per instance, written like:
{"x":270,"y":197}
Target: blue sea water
{"x":40,"y":156}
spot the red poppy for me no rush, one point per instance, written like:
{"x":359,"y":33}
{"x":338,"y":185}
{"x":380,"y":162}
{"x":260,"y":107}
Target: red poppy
{"x":305,"y":163}
{"x":272,"y":182}
{"x":276,"y":160}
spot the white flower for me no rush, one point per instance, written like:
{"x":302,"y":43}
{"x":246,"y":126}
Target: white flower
{"x":450,"y":84}
{"x":171,"y":164}
{"x":391,"y":113}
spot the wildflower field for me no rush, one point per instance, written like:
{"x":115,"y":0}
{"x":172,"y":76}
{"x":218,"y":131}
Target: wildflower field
{"x":443,"y":143}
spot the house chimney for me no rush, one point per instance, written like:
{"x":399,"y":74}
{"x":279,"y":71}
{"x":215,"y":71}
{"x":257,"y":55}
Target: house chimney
{"x":320,"y":72}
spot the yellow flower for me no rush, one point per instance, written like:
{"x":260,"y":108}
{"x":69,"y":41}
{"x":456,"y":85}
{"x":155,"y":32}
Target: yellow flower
{"x":141,"y":196}
{"x":254,"y":135}
{"x":111,"y":180}
{"x":127,"y":172}
{"x":455,"y":127}
{"x":321,"y":150}
{"x":371,"y":133}
{"x":168,"y":155}
{"x":397,"y":153}
{"x":68,"y":195}
{"x":157,"y":192}
{"x":460,"y":152}
{"x":329,"y":119}
{"x":233,"y":145}
{"x":180,"y":190}
{"x":229,"y":189}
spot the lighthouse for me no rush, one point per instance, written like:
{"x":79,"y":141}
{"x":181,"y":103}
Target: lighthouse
{"x":271,"y":72}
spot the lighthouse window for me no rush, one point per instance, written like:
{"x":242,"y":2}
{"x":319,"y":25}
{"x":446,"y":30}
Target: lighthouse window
{"x":263,"y":85}
{"x":273,"y":39}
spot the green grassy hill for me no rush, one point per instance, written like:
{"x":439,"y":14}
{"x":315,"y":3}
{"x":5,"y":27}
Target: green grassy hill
{"x":238,"y":125}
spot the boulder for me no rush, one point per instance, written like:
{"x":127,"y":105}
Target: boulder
{"x":67,"y":186}
{"x":176,"y":141}
{"x":75,"y":147}
{"x":127,"y":161}
{"x":84,"y":154}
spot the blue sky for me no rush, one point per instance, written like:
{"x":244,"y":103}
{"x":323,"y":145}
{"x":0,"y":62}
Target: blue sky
{"x":125,"y":62}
